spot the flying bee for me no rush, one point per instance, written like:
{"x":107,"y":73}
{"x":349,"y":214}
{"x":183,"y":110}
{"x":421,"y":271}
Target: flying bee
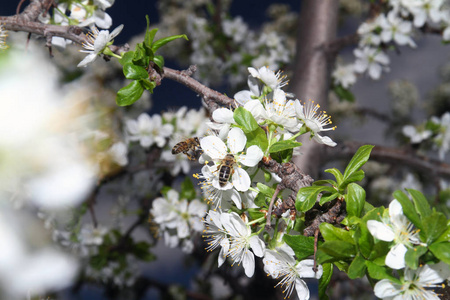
{"x":226,"y":169}
{"x":190,"y":147}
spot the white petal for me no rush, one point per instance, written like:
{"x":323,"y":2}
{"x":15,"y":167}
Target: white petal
{"x":253,"y":84}
{"x":395,"y":209}
{"x":101,"y":41}
{"x":395,"y":259}
{"x":385,"y":288}
{"x":305,"y":269}
{"x":236,"y":198}
{"x":243,"y":97}
{"x":257,"y":245}
{"x":302,"y":289}
{"x":241,"y":180}
{"x":324,"y":140}
{"x":380,"y":231}
{"x":252,"y":157}
{"x":214,"y":147}
{"x":116,"y":31}
{"x":256,"y":109}
{"x":236,"y":140}
{"x":248,"y":262}
{"x":225,"y":243}
{"x":223,"y":115}
{"x":87,"y":60}
{"x":434,"y":274}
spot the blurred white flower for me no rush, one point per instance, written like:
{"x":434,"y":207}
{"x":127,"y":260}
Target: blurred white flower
{"x":396,"y":29}
{"x":371,"y":60}
{"x":149,"y":130}
{"x":119,"y":153}
{"x":344,"y":75}
{"x":415,"y":135}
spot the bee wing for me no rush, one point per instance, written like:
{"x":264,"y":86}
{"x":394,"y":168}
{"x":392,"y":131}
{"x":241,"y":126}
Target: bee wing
{"x":214,"y":147}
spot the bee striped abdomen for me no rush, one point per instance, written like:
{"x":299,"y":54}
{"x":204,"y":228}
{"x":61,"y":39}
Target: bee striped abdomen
{"x":226,"y":169}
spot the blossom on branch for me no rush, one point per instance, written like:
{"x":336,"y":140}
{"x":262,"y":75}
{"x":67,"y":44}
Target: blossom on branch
{"x":96,"y":42}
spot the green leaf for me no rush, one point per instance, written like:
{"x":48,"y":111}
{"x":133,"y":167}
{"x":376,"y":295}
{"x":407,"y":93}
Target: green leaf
{"x":148,"y":85}
{"x":245,"y":119}
{"x":325,"y":181}
{"x":441,"y":251}
{"x":337,"y":174}
{"x":357,"y":176}
{"x":445,"y":237}
{"x":344,"y":94}
{"x":127,"y":57}
{"x":357,"y":268}
{"x":355,"y":199}
{"x":338,"y":249}
{"x":332,"y":194}
{"x":303,"y":246}
{"x":264,"y":189}
{"x":129,"y":94}
{"x":408,"y":208}
{"x":358,"y":160}
{"x":260,"y":200}
{"x":141,"y":57}
{"x":159,"y":61}
{"x":188,"y":189}
{"x":306,"y":197}
{"x":364,"y":238}
{"x":332,"y":233}
{"x":132,"y":71}
{"x":325,"y":280}
{"x":282,"y":156}
{"x":255,"y":213}
{"x":378,"y":272}
{"x":328,"y":197}
{"x":257,"y":137}
{"x":149,"y":34}
{"x":434,"y":226}
{"x":284,"y":145}
{"x":412,"y":256}
{"x":161,"y":42}
{"x":421,"y":203}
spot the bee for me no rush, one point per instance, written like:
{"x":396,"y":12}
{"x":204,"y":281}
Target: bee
{"x":190,"y":147}
{"x":226,"y":169}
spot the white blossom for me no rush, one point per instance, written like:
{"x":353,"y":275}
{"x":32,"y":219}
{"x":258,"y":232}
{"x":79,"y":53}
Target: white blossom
{"x":344,"y":75}
{"x":215,"y":148}
{"x":149,"y":130}
{"x":415,"y":284}
{"x":269,"y":77}
{"x":371,"y":60}
{"x":396,"y":29}
{"x":96,"y":42}
{"x":241,"y":240}
{"x":415,"y":135}
{"x":281,"y":264}
{"x":397,"y":229}
{"x":315,"y":121}
{"x":119,"y":153}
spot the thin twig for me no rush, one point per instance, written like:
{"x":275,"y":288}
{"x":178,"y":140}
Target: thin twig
{"x":279,"y":188}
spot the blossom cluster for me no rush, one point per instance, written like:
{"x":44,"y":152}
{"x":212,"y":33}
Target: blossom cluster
{"x":436,"y":131}
{"x":397,"y":26}
{"x":83,"y":13}
{"x":178,"y":219}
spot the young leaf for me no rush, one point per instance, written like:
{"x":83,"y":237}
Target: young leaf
{"x":355,"y":199}
{"x":132,"y":71}
{"x":127,"y":57}
{"x":444,"y":236}
{"x":306,"y":197}
{"x":332,"y":233}
{"x":379,"y":272}
{"x":358,"y":160}
{"x":284,"y":145}
{"x":434,"y":225}
{"x":245,"y":119}
{"x":357,"y":176}
{"x":412,"y":256}
{"x":129,"y":94}
{"x":161,"y":42}
{"x":159,"y":61}
{"x":337,"y":174}
{"x":421,"y":203}
{"x":441,"y":251}
{"x":303,"y":246}
{"x":264,"y":189}
{"x":325,"y":280}
{"x":408,"y":208}
{"x":257,"y":137}
{"x":357,"y":268}
{"x":338,"y":249}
